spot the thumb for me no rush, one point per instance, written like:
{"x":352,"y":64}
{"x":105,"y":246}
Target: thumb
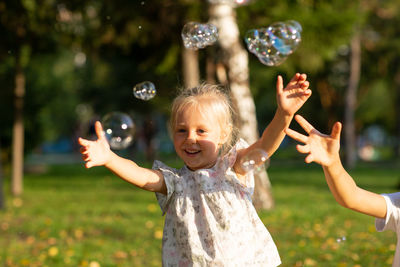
{"x":99,"y":130}
{"x":336,"y":130}
{"x":279,"y":84}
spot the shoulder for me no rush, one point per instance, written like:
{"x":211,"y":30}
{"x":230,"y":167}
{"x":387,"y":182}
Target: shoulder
{"x":168,"y":172}
{"x":229,"y":158}
{"x":158,"y":165}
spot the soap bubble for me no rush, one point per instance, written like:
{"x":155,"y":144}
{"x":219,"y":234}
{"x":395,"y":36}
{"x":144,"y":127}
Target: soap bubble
{"x":262,"y":43}
{"x":119,"y":129}
{"x":272,"y":45}
{"x":144,"y":90}
{"x":254,"y":160}
{"x":230,"y":2}
{"x":341,"y":239}
{"x":196,"y":35}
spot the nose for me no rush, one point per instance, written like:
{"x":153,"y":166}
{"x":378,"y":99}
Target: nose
{"x":191,"y":137}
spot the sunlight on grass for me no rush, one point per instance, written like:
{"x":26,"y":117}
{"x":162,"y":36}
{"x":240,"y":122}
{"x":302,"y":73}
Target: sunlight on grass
{"x":76,"y":217}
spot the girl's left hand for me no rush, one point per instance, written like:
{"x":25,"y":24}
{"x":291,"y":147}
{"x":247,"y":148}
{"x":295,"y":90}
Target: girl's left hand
{"x":294,"y":95}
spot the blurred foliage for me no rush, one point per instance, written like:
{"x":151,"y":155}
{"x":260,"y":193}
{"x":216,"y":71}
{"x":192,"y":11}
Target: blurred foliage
{"x":82,"y":58}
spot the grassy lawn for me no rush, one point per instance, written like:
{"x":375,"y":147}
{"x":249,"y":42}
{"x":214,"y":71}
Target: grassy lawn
{"x":70,"y":216}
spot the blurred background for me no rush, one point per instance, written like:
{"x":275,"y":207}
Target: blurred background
{"x":66,"y":64}
{"x":77,"y":61}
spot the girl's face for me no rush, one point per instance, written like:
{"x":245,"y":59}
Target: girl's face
{"x":197,"y":138}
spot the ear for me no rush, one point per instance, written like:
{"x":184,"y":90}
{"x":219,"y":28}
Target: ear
{"x":225,"y":134}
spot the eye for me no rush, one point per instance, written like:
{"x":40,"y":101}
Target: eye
{"x":202,"y":131}
{"x":180,"y":130}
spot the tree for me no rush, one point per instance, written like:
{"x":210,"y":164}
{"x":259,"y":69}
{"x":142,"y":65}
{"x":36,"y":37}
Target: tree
{"x":351,"y":100}
{"x":18,"y":131}
{"x":27,"y":31}
{"x":234,"y":58}
{"x":2,"y":205}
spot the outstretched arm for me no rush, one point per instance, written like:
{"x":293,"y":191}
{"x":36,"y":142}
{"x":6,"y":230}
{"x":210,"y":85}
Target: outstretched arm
{"x":98,"y":153}
{"x":289,"y":99}
{"x":324,"y":150}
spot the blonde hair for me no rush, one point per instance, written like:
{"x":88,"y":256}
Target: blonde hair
{"x":211,"y":98}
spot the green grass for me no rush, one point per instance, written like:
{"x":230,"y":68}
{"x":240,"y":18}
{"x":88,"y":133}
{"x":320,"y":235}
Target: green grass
{"x":70,"y":216}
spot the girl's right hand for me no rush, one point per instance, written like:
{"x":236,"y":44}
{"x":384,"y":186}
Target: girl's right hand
{"x":98,"y":152}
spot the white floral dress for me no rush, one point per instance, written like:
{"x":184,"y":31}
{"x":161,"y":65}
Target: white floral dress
{"x":210,"y":219}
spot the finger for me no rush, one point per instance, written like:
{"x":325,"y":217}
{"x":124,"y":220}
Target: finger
{"x":99,"y":130}
{"x":309,"y":159}
{"x":279,"y":84}
{"x":308,"y":92}
{"x":302,"y":77}
{"x":83,"y":142}
{"x":89,"y":165}
{"x":303,"y":148}
{"x":304,"y":123}
{"x":336,"y":130}
{"x":296,"y":136}
{"x":83,"y":150}
{"x":295,"y":78}
{"x":305,"y":85}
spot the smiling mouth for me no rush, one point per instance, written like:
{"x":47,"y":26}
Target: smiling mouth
{"x":190,"y":153}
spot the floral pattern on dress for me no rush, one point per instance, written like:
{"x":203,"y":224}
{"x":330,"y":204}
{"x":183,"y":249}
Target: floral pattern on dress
{"x":210,"y":219}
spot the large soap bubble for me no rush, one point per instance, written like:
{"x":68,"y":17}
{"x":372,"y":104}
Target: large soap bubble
{"x":144,"y":90}
{"x":255,"y":160}
{"x":273,"y":44}
{"x":119,"y":129}
{"x":196,"y":35}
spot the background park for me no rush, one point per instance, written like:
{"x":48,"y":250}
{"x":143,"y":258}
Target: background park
{"x":65,"y":64}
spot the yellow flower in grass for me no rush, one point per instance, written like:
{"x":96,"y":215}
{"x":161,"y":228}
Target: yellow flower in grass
{"x":25,"y":262}
{"x":53,"y":251}
{"x":94,"y":264}
{"x":78,"y":233}
{"x":309,"y":262}
{"x":17,"y":202}
{"x":152,"y":207}
{"x":158,"y":234}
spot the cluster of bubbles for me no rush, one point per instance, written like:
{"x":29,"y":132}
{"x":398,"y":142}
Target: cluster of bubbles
{"x":119,"y":129}
{"x":196,"y":35}
{"x":272,"y":45}
{"x":230,"y":2}
{"x":255,"y":160}
{"x":144,"y":90}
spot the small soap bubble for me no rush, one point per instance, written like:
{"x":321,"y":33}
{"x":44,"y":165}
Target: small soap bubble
{"x":341,"y":239}
{"x":230,"y":2}
{"x":196,"y":35}
{"x":119,"y":129}
{"x":144,"y":90}
{"x":272,"y":45}
{"x":254,"y":160}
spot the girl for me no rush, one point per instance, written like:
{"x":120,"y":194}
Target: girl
{"x":324,"y":150}
{"x":210,"y":220}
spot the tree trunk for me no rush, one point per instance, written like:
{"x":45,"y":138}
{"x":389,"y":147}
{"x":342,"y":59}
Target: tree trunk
{"x":397,"y":111}
{"x":1,"y":183}
{"x":235,"y":60}
{"x":351,"y":101}
{"x":18,"y":133}
{"x":190,"y":65}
